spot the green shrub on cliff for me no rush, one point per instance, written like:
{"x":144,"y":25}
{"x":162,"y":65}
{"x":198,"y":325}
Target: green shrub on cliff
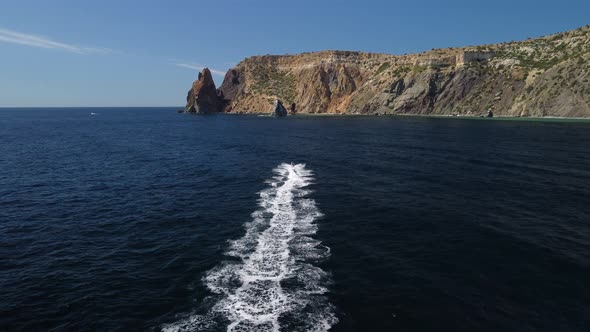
{"x":384,"y":66}
{"x":417,"y":69}
{"x":273,"y":82}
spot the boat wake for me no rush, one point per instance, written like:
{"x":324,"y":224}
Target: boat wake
{"x":273,"y":284}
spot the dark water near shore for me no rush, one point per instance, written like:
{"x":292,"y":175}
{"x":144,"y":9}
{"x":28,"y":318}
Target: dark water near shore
{"x":121,"y":221}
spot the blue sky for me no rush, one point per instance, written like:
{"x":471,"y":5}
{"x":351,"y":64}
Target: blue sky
{"x":146,"y":53}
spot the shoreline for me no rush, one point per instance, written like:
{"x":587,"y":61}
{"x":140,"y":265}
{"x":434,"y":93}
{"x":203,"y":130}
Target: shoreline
{"x":436,"y":116}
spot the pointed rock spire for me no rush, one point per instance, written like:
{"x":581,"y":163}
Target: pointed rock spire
{"x":202,"y":97}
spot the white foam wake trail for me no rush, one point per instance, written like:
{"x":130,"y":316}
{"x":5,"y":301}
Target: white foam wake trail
{"x":273,"y":286}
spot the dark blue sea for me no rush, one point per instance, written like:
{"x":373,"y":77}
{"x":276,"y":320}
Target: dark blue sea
{"x":142,"y":219}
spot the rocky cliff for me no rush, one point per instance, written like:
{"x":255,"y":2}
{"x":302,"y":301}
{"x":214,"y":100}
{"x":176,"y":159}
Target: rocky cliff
{"x":203,"y":97}
{"x":547,"y":76}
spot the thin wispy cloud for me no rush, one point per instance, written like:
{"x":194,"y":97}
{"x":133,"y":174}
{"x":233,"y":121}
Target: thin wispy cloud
{"x":199,"y":67}
{"x":15,"y":37}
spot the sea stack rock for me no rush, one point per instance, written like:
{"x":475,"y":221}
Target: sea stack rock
{"x":202,"y":97}
{"x":279,"y":109}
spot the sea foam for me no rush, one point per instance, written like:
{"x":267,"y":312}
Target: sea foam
{"x":273,"y":284}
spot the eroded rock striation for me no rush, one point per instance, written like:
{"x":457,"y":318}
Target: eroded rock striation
{"x":547,"y":76}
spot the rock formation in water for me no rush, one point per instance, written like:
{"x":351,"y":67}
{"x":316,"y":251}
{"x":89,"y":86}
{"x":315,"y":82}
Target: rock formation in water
{"x":278,"y":109}
{"x":547,"y":76}
{"x":203,"y":97}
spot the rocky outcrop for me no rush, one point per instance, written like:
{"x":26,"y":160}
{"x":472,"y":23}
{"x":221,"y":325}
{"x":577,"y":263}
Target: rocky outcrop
{"x":279,"y":110}
{"x":547,"y":76}
{"x":232,"y":86}
{"x":203,"y":97}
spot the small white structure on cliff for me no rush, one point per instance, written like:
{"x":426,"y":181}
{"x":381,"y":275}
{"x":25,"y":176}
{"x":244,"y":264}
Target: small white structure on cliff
{"x":472,"y":56}
{"x":459,"y":59}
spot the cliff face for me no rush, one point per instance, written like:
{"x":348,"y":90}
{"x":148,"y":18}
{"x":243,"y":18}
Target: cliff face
{"x":547,"y":76}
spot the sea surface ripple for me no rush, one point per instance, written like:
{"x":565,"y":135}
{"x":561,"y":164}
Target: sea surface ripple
{"x":142,"y":219}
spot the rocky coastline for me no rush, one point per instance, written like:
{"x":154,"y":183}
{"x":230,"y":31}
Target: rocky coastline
{"x":542,"y":77}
